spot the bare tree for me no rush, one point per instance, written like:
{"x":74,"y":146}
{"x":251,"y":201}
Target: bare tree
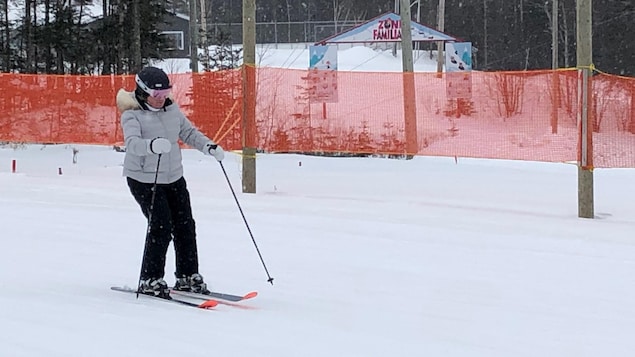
{"x":135,"y":63}
{"x":289,"y":21}
{"x":565,"y":34}
{"x":28,"y":35}
{"x":485,"y":62}
{"x":203,"y":37}
{"x":7,"y":36}
{"x":121,"y":16}
{"x":509,"y":88}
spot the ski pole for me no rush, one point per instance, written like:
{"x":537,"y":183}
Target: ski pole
{"x":145,"y":248}
{"x":269,"y":278}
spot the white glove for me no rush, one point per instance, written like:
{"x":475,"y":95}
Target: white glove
{"x":159,"y":146}
{"x":214,"y":150}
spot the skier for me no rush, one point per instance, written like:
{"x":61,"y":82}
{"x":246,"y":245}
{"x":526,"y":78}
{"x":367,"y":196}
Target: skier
{"x":152,"y":125}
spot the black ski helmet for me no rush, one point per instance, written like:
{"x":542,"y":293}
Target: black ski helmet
{"x":149,"y":79}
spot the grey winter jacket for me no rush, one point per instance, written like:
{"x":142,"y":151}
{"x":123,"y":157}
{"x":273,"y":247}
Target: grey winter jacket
{"x":141,"y":126}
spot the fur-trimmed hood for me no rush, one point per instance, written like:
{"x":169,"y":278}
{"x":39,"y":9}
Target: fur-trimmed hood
{"x":126,"y":101}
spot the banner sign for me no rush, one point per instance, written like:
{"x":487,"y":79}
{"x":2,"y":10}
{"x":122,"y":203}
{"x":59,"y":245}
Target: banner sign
{"x":387,"y":28}
{"x":323,"y":74}
{"x":458,"y":65}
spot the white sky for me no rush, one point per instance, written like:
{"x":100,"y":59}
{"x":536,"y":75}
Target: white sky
{"x":371,"y":257}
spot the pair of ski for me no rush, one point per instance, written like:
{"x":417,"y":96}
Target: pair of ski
{"x":208,"y":301}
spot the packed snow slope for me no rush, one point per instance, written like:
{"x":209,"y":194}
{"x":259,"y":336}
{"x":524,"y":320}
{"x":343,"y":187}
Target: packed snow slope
{"x":371,"y":257}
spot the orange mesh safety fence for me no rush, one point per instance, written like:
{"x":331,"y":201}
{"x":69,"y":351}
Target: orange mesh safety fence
{"x":509,"y":115}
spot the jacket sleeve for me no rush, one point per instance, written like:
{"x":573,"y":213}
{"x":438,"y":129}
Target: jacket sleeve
{"x":132,"y":134}
{"x":190,"y":135}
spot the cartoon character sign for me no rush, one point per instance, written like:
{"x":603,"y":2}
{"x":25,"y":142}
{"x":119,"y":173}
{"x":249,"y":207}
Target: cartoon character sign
{"x":323,"y":74}
{"x":458,"y":65}
{"x":458,"y":56}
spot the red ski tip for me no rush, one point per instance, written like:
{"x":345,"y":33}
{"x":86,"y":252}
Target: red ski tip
{"x":208,"y":304}
{"x":250,"y":295}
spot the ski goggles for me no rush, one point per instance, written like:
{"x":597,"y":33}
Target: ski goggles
{"x":154,"y":93}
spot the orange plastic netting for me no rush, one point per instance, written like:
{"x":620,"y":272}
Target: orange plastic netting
{"x":508,"y":116}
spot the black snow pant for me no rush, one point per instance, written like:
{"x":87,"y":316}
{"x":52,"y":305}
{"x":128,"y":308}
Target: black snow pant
{"x":171,"y":219}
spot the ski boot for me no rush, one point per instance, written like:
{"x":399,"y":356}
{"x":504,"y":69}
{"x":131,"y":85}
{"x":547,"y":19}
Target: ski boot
{"x":193,"y":283}
{"x":156,"y":287}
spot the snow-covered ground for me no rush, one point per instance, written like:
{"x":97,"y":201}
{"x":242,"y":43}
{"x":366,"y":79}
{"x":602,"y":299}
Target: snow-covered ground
{"x":371,"y":257}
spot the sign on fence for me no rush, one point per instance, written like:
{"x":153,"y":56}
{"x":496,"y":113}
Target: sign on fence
{"x":458,"y":65}
{"x":323,"y":74}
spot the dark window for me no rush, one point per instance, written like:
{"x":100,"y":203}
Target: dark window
{"x":175,"y":39}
